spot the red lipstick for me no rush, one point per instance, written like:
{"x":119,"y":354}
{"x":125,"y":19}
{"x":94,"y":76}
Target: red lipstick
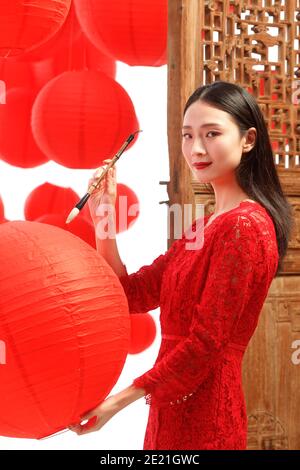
{"x":200,"y":166}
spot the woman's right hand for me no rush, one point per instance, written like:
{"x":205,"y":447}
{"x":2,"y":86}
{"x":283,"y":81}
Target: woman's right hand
{"x":106,"y":193}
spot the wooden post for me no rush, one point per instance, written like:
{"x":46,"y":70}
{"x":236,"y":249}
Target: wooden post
{"x":184,"y":72}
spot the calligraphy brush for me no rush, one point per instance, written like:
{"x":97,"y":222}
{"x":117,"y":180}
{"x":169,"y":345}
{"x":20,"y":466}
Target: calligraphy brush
{"x":75,"y":211}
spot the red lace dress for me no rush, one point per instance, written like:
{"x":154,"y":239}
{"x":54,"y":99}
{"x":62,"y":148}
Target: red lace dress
{"x":210,"y":300}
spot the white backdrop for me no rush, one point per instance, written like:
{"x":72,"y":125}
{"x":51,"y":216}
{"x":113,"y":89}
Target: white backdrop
{"x":141,"y":168}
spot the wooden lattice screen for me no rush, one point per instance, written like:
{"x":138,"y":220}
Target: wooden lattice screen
{"x":255,"y":44}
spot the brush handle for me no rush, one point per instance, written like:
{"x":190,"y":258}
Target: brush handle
{"x":82,"y":201}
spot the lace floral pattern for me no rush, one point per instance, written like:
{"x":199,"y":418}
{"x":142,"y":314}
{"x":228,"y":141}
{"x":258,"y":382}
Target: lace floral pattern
{"x":210,"y":301}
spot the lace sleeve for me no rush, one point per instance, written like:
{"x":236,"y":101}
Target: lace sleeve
{"x":142,"y":288}
{"x":236,"y":261}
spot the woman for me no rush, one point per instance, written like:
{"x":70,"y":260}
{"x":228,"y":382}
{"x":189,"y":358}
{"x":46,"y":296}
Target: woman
{"x":210,"y":298}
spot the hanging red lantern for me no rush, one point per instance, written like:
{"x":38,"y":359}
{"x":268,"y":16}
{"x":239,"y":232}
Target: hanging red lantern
{"x":54,"y":209}
{"x":129,"y":32}
{"x":81,"y":55}
{"x":69,"y":32}
{"x":80,"y":226}
{"x":127,"y":207}
{"x":65,"y":324}
{"x":1,"y":209}
{"x":25,"y":25}
{"x":143,"y":332}
{"x":69,"y":50}
{"x":2,"y":214}
{"x":49,"y":199}
{"x":127,"y":211}
{"x":22,"y":75}
{"x":75,"y":52}
{"x":81,"y":118}
{"x":17,"y":146}
{"x":55,"y":200}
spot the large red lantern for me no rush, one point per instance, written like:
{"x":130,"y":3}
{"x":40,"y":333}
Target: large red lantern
{"x":125,"y":29}
{"x":143,"y":332}
{"x":1,"y":209}
{"x":2,"y":212}
{"x":80,"y":226}
{"x":26,"y":24}
{"x":80,"y":118}
{"x":65,"y":325}
{"x":17,"y":146}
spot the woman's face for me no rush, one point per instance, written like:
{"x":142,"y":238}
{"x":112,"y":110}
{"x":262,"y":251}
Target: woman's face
{"x":210,"y":136}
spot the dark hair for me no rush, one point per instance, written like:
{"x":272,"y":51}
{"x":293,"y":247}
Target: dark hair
{"x":256,"y":174}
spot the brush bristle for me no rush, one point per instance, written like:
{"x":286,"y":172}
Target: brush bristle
{"x":72,"y":215}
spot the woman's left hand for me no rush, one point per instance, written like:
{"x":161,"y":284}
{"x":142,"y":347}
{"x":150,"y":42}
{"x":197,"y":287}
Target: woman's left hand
{"x":102,"y":413}
{"x":107,"y":409}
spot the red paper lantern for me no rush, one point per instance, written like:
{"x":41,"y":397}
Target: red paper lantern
{"x":49,"y":199}
{"x":127,"y":211}
{"x":25,"y":25}
{"x":17,"y":146}
{"x":80,"y":118}
{"x":125,"y":29}
{"x":56,"y":200}
{"x":2,"y":215}
{"x":69,"y":32}
{"x":143,"y":332}
{"x":127,"y":207}
{"x":70,"y":50}
{"x":23,"y":75}
{"x":1,"y":209}
{"x":80,"y":227}
{"x":81,"y":55}
{"x":65,"y":324}
{"x":74,"y":52}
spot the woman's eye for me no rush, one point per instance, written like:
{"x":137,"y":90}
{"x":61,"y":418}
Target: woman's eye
{"x":212,"y":132}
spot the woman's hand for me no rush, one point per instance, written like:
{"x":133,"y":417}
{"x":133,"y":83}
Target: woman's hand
{"x":101,"y":414}
{"x":107,"y":409}
{"x":106,"y":193}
